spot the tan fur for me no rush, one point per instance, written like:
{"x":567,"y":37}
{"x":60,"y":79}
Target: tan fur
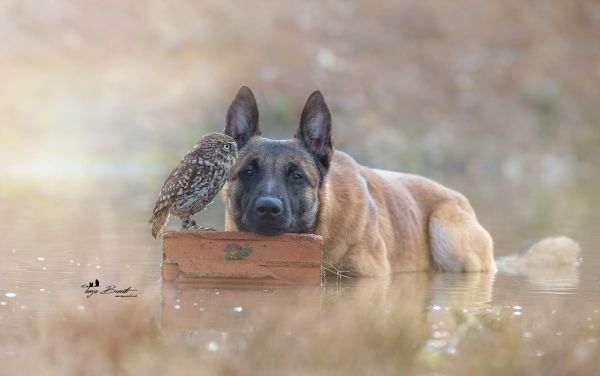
{"x":549,"y":253}
{"x":376,"y":222}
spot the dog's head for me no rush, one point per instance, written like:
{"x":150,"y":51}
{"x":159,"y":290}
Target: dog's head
{"x":274,"y":185}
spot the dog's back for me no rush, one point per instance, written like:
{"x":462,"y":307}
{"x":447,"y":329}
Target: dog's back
{"x":375,"y":222}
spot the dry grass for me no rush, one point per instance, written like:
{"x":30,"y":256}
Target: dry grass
{"x":337,"y":338}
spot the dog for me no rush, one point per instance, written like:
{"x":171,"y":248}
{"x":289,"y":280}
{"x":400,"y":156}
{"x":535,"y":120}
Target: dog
{"x":373,"y":222}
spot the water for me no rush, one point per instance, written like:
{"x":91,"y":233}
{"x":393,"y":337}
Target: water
{"x":59,"y":236}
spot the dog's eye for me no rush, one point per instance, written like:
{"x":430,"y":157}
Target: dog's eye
{"x":296,"y":176}
{"x":248,"y":172}
{"x":226,"y":146}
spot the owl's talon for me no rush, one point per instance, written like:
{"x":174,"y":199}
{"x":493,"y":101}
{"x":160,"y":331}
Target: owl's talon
{"x":190,"y":224}
{"x":201,"y":228}
{"x":186,"y":224}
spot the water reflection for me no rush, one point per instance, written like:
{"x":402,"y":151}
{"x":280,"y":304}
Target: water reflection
{"x":55,"y":240}
{"x":472,"y":291}
{"x":221,"y":318}
{"x":203,"y":314}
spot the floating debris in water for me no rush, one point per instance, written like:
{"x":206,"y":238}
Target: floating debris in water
{"x":517,"y":307}
{"x":97,"y":266}
{"x":527,"y":335}
{"x":42,"y":290}
{"x":539,"y":353}
{"x":516,"y":313}
{"x":80,"y":307}
{"x":41,"y":258}
{"x":435,"y":344}
{"x":3,"y":302}
{"x":438,"y":335}
{"x":238,"y":309}
{"x":177,"y":306}
{"x":436,"y":307}
{"x":10,"y":294}
{"x":212,"y":346}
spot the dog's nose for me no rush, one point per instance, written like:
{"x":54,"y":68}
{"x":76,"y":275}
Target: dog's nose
{"x":268,"y":206}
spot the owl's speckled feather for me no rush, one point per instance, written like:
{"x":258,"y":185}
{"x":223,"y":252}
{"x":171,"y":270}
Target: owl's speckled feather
{"x":195,"y":182}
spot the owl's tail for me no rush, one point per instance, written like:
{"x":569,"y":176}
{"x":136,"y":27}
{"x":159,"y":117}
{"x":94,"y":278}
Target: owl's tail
{"x":159,"y":220}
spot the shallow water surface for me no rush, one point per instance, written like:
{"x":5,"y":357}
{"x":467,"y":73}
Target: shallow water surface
{"x":56,"y":239}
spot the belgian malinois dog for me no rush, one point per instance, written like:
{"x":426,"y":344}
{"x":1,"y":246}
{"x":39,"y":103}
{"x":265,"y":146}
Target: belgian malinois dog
{"x":373,"y":222}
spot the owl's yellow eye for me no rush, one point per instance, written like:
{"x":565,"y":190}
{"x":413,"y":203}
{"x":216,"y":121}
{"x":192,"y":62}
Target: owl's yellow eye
{"x":226,"y":146}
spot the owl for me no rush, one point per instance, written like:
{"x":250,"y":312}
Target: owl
{"x":195,"y":182}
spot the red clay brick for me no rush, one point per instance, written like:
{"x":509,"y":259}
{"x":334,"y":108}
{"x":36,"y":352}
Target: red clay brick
{"x":241,"y":258}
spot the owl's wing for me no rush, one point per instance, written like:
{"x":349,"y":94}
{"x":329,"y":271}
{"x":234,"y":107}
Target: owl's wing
{"x":175,"y":183}
{"x":188,"y":175}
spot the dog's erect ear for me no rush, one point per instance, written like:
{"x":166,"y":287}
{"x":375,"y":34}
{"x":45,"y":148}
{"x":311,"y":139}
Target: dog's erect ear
{"x":242,"y":117}
{"x":315,"y":128}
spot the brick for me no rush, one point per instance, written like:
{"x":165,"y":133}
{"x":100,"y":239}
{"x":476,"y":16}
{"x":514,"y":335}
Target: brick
{"x":241,"y":258}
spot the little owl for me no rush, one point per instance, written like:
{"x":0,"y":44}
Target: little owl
{"x":195,"y":182}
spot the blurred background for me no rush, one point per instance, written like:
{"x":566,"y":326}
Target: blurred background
{"x":99,"y":100}
{"x":118,"y":89}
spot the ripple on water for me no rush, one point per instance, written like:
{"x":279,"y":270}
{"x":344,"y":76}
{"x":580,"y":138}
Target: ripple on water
{"x":212,"y":346}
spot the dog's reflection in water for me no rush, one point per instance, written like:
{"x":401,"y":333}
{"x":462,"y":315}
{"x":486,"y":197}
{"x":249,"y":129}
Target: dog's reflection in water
{"x":223,"y":318}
